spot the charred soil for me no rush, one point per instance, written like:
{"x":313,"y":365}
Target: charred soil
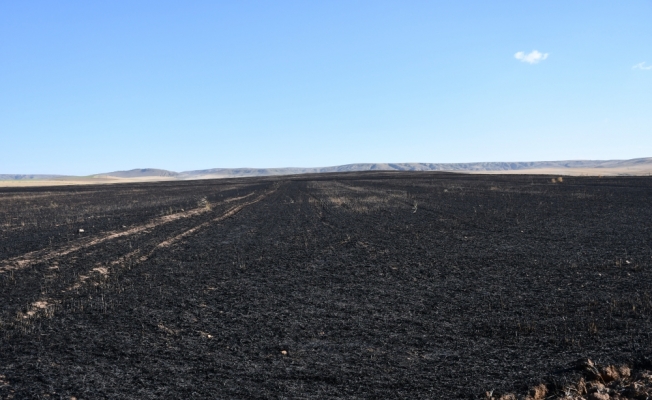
{"x":359,"y":285}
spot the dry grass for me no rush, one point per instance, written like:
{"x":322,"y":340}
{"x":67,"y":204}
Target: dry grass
{"x":624,"y":171}
{"x":80,"y":181}
{"x":598,"y":383}
{"x":362,"y":200}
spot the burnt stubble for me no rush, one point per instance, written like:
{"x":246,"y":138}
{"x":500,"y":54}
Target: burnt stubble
{"x":360,"y":285}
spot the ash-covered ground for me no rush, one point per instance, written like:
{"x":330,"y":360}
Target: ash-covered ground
{"x":361,"y":285}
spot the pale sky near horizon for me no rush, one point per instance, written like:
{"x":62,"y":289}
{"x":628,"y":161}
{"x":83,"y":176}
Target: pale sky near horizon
{"x":89,"y":87}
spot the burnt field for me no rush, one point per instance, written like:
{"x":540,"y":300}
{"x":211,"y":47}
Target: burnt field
{"x":362,"y":285}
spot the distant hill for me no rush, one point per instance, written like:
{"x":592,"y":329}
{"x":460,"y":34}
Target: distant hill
{"x":612,"y":167}
{"x":25,"y":177}
{"x":138,"y":173}
{"x":637,"y":166}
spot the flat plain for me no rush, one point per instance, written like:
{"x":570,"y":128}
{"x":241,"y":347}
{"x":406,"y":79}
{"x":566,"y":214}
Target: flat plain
{"x":350,"y":285}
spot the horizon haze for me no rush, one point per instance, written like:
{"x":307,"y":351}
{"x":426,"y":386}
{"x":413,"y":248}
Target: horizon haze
{"x":633,"y":167}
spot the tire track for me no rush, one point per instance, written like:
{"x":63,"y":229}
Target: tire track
{"x":44,"y":306}
{"x":38,"y":256}
{"x":224,"y":216}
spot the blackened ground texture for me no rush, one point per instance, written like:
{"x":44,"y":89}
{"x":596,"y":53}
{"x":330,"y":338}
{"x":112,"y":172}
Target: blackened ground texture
{"x":362,"y":285}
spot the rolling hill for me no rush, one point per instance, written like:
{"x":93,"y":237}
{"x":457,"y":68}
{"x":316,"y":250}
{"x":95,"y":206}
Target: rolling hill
{"x":638,"y":166}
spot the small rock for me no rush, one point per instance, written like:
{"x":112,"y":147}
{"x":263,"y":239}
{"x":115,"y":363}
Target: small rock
{"x":285,"y":353}
{"x":624,"y":371}
{"x":599,"y":396}
{"x":81,"y":230}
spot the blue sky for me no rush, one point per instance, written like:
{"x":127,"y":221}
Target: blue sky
{"x":89,"y":87}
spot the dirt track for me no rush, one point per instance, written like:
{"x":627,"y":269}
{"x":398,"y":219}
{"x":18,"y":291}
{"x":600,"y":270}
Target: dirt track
{"x":363,"y":285}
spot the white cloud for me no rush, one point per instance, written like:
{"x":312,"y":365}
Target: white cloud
{"x":642,"y":66}
{"x":533,"y":57}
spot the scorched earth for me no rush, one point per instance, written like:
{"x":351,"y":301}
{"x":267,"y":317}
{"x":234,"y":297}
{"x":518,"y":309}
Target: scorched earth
{"x":362,"y":285}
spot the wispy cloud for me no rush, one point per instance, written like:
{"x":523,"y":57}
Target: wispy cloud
{"x":642,"y":66}
{"x":533,"y":57}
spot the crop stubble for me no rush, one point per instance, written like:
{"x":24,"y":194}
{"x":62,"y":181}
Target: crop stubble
{"x":418,"y":285}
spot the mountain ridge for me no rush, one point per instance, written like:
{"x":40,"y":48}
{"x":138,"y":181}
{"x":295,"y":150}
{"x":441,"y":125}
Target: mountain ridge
{"x":636,"y":166}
